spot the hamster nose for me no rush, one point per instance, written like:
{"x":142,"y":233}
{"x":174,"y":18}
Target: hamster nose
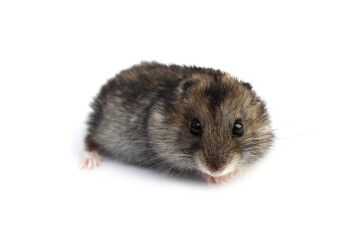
{"x":215,"y":166}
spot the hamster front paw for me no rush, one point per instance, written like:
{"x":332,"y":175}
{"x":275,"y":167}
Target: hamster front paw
{"x":220,"y":179}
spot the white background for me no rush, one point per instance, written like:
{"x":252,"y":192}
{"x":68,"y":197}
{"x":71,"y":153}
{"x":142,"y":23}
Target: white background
{"x":302,"y":57}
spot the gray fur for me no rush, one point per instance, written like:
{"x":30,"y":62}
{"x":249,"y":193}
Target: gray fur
{"x":142,"y":116}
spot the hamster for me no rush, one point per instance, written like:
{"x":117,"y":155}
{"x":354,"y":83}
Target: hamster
{"x":184,"y":120}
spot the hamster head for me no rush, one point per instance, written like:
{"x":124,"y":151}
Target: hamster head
{"x":214,"y":125}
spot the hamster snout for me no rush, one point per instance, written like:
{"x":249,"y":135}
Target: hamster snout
{"x":184,"y":120}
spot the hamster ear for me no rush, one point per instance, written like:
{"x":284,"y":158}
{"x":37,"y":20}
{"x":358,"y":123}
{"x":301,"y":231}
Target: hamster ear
{"x":185,"y":86}
{"x":246,"y":85}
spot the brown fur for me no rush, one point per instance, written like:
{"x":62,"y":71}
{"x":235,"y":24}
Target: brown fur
{"x":143,"y":116}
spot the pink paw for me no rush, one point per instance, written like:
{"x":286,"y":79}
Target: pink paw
{"x":92,"y":160}
{"x":221,"y":179}
{"x":216,"y":180}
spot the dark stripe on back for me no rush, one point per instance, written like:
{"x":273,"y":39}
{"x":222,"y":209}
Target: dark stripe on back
{"x":216,"y":92}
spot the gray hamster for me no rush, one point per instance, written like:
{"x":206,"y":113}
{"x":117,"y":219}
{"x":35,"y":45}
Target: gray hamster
{"x":184,"y":120}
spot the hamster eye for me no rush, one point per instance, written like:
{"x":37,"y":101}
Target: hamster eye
{"x":238,"y":129}
{"x":195,"y":128}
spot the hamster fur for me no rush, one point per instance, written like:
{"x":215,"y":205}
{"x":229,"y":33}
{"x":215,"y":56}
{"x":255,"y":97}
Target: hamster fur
{"x":179,"y":119}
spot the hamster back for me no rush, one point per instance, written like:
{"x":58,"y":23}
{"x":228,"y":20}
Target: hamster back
{"x":179,"y":119}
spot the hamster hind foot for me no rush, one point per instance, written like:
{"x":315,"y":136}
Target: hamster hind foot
{"x":92,"y":160}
